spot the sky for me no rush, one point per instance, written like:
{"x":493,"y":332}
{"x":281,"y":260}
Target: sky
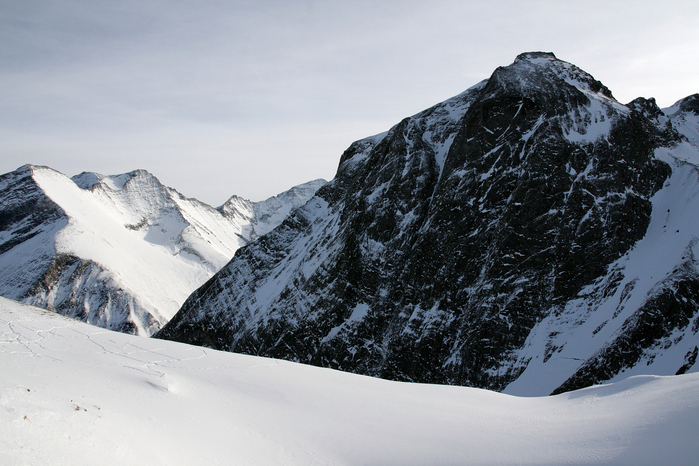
{"x":251,"y":98}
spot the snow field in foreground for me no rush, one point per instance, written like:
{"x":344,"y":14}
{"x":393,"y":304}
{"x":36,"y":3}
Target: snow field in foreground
{"x":75,"y":394}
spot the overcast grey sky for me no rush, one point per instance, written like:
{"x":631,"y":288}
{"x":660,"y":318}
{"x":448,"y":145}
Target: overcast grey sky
{"x":252,"y":97}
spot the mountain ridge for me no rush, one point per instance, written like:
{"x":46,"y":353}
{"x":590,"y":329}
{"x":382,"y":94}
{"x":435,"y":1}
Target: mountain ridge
{"x":120,"y":251}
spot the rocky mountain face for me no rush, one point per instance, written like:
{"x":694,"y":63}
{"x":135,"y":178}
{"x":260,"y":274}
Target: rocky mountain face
{"x":121,"y":252}
{"x":519,"y":237}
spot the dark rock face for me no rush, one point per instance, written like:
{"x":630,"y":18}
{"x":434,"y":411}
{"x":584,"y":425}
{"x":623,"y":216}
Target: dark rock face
{"x":26,"y":210}
{"x":81,"y":289}
{"x":441,"y":244}
{"x":29,"y":218}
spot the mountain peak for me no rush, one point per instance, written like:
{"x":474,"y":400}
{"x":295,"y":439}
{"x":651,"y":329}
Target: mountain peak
{"x":473,"y":241}
{"x":541,"y":73}
{"x":266,"y":215}
{"x":535,"y":55}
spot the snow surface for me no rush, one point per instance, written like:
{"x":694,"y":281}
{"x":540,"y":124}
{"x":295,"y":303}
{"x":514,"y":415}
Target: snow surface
{"x":75,"y":394}
{"x":358,"y":314}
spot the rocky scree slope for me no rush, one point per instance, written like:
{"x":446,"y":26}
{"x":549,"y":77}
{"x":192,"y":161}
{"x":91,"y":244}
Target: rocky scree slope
{"x":122,"y":252}
{"x":490,"y":239}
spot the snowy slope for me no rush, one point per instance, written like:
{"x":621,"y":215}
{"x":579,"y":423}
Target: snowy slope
{"x":73,"y":394}
{"x":123,"y":252}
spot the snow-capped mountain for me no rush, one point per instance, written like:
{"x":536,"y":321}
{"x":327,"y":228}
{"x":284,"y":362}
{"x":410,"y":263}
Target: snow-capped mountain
{"x":259,"y":218}
{"x":73,"y":394}
{"x":121,"y":252}
{"x":531,"y":235}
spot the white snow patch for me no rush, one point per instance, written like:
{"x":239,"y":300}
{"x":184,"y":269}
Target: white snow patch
{"x":597,"y":124}
{"x":358,"y":314}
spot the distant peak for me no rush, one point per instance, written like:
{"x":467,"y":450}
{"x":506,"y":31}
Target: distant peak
{"x":314,"y":185}
{"x":235,"y":199}
{"x":139,"y":172}
{"x":139,"y":177}
{"x":30,"y":166}
{"x":88,"y":180}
